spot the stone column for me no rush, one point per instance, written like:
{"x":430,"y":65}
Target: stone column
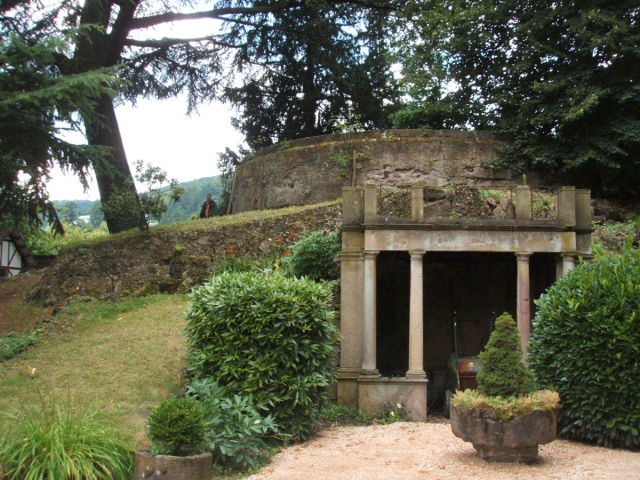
{"x":559,"y":267}
{"x":351,"y":314}
{"x":524,"y":300}
{"x":416,"y":325}
{"x":369,"y":327}
{"x":568,"y":262}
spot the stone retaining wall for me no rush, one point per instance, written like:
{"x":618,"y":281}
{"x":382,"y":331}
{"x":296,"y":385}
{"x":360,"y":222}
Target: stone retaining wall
{"x":315,"y":169}
{"x":171,"y":260}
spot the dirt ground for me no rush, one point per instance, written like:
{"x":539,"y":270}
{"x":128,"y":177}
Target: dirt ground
{"x":429,"y":450}
{"x":16,"y":315}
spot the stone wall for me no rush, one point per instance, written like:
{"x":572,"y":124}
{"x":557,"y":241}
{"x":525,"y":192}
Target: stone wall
{"x":315,"y":169}
{"x":172,"y":260}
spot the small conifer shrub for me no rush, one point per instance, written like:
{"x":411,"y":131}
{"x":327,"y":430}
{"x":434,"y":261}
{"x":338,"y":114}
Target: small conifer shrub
{"x":503,"y":370}
{"x":178,"y":427}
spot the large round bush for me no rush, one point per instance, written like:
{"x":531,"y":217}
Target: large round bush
{"x":271,"y":337}
{"x":586,"y":346}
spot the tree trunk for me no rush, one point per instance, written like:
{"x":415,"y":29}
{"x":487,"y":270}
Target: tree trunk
{"x":96,"y":49}
{"x":113,"y":174}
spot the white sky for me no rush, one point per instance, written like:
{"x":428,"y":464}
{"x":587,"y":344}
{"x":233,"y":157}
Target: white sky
{"x":161,"y":133}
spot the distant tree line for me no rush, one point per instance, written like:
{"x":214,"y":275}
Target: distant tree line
{"x":70,"y":211}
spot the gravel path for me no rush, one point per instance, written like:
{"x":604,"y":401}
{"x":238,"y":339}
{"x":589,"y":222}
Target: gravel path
{"x":429,"y":450}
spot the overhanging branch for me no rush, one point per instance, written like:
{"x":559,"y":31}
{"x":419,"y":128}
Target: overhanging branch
{"x":223,"y":13}
{"x":146,"y":22}
{"x":169,"y":42}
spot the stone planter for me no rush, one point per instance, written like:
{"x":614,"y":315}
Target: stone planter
{"x":168,"y":467}
{"x":498,"y":441}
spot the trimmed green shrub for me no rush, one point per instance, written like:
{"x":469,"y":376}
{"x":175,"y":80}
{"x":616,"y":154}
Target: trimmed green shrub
{"x":177,"y":427}
{"x":54,"y":440}
{"x":269,"y":337}
{"x":237,"y":431}
{"x":503,"y":370}
{"x":586,"y":346}
{"x":313,"y":256}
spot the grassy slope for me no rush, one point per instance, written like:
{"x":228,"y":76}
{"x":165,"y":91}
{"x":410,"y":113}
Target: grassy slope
{"x":120,"y":358}
{"x":202,"y":223}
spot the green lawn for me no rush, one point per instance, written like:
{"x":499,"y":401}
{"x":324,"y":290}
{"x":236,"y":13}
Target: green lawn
{"x":120,"y":358}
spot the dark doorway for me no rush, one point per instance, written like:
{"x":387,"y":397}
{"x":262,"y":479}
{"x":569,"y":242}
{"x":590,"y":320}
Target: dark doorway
{"x":392,"y":314}
{"x":475,"y":287}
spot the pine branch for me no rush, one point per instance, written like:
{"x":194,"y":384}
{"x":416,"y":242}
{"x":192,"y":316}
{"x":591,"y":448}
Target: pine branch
{"x":169,"y":42}
{"x":219,"y":13}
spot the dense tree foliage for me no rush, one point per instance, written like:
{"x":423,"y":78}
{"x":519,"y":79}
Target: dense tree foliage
{"x":320,"y":63}
{"x":559,"y":77}
{"x":121,"y":33}
{"x":37,"y":104}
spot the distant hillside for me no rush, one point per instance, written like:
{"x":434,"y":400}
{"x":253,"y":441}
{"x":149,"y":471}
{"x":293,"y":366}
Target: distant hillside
{"x":194,"y":197}
{"x":192,"y":200}
{"x":84,"y":206}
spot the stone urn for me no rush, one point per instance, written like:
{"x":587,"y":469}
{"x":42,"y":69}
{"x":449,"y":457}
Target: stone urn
{"x":498,"y":441}
{"x":168,"y":467}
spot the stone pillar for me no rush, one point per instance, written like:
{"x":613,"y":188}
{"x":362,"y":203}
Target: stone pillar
{"x":568,"y":262}
{"x":417,"y":203}
{"x":369,"y":327}
{"x":524,"y":300}
{"x":352,"y":205}
{"x":416,"y":324}
{"x":559,"y":267}
{"x":370,"y":203}
{"x":351,"y":312}
{"x":567,"y":206}
{"x":523,"y":204}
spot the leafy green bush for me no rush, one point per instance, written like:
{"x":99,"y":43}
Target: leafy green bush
{"x":270,"y":337}
{"x":503,"y":370}
{"x":313,"y":256}
{"x":55,"y":441}
{"x":389,"y":414}
{"x":343,"y":415}
{"x":12,"y":344}
{"x":237,"y":431}
{"x":236,"y":264}
{"x":177,"y":427}
{"x":586,"y":346}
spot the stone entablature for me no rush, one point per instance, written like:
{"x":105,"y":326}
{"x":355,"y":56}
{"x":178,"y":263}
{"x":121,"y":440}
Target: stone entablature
{"x":315,"y":169}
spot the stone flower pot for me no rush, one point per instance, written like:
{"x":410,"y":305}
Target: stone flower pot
{"x":168,"y":467}
{"x":499,"y":441}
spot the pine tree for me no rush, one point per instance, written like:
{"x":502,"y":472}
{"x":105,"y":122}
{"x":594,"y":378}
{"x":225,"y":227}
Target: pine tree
{"x":503,"y":370}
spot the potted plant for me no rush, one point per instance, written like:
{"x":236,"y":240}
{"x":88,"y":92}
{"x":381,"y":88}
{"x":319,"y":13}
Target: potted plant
{"x":505,"y":419}
{"x":178,"y":430}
